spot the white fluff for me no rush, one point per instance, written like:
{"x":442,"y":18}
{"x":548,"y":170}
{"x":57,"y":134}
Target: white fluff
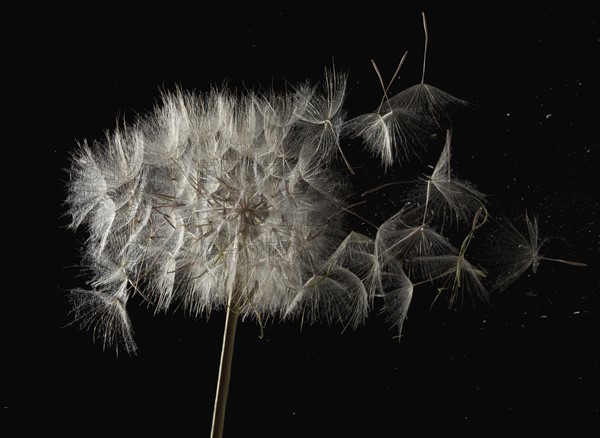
{"x":215,"y":196}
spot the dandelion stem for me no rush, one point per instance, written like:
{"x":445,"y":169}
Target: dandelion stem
{"x":224,"y":372}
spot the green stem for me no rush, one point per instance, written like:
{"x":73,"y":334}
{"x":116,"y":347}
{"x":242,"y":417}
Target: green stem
{"x":231,"y":320}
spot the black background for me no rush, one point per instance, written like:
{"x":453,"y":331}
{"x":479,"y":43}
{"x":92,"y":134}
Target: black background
{"x":527,"y":365}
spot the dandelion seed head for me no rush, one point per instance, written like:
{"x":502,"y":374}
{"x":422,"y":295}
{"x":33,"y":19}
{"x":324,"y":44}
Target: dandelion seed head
{"x":216,"y":200}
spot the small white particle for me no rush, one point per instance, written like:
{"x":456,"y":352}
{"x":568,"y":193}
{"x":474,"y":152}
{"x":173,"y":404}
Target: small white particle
{"x":577,"y":312}
{"x":544,"y":316}
{"x":548,"y":115}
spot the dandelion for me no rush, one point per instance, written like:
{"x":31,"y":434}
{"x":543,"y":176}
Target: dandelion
{"x":458,"y":274}
{"x":518,"y":253}
{"x":323,"y":118}
{"x":397,"y":238}
{"x":390,"y":132}
{"x":104,"y":313}
{"x":444,"y":197}
{"x":216,"y":201}
{"x":406,"y":120}
{"x":227,"y":201}
{"x":426,"y":102}
{"x":398,"y":292}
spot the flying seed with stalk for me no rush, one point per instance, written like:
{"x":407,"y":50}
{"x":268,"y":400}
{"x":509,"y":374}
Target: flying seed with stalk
{"x":406,"y":120}
{"x":432,"y":106}
{"x":446,"y":198}
{"x":387,"y":131}
{"x":519,"y":253}
{"x":457,"y":273}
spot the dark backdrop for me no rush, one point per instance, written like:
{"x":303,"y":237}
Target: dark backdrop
{"x":526,"y":365}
